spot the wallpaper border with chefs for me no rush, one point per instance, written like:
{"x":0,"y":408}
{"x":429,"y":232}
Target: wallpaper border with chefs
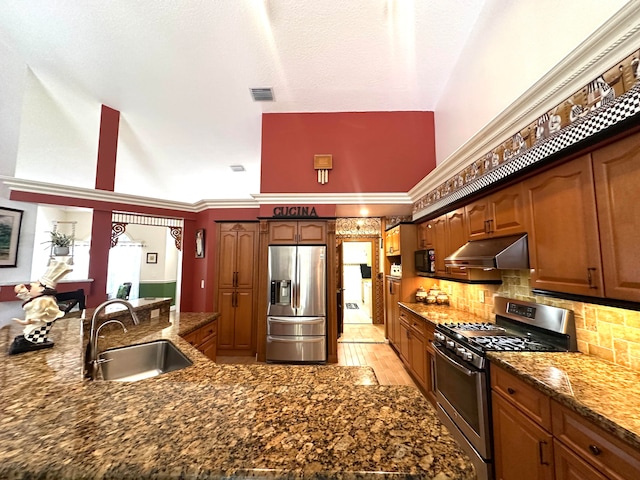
{"x":608,"y":99}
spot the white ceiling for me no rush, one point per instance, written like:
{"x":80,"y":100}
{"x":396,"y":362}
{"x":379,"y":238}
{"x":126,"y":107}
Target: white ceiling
{"x":180,"y":71}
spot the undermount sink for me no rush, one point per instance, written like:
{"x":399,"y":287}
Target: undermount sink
{"x":144,"y":360}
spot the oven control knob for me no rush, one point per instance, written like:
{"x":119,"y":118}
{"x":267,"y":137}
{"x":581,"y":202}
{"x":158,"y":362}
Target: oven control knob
{"x":438,"y":336}
{"x":468,"y":356}
{"x":450,"y":344}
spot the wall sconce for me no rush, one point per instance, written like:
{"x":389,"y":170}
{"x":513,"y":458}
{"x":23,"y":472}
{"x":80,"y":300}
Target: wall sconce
{"x":323,"y":163}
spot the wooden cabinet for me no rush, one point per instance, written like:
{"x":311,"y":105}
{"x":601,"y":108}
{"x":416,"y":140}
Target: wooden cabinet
{"x":236,"y":321}
{"x":298,"y":232}
{"x":392,"y":241}
{"x":430,"y":385}
{"x":236,"y":267}
{"x":449,"y":232}
{"x":616,"y":169}
{"x":415,"y":332}
{"x":604,"y":452}
{"x":497,"y":215}
{"x":392,"y":310}
{"x":564,"y":248}
{"x":204,"y":339}
{"x":426,"y":235}
{"x":456,"y":237}
{"x":538,"y":438}
{"x":236,"y":287}
{"x":523,"y":450}
{"x":568,"y":466}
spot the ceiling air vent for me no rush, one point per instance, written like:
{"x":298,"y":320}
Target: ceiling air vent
{"x":237,"y":168}
{"x":262,"y":94}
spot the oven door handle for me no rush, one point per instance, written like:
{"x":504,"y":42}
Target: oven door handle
{"x":455,"y":364}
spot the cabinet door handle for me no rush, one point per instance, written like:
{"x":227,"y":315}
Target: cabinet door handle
{"x":590,"y":277}
{"x":490,"y":225}
{"x":594,"y":449}
{"x":234,"y":299}
{"x":486,"y":226}
{"x":541,"y":445}
{"x":511,"y":390}
{"x":235,"y":279}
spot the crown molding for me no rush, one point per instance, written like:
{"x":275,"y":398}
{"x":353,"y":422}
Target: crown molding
{"x":615,"y":39}
{"x":335,"y":198}
{"x":43,"y":188}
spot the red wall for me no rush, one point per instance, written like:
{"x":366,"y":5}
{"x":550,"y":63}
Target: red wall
{"x":372,"y":151}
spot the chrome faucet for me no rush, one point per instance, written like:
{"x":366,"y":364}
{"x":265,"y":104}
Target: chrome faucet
{"x":92,"y":364}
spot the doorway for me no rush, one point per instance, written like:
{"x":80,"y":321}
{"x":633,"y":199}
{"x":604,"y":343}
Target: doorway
{"x":358,"y":272}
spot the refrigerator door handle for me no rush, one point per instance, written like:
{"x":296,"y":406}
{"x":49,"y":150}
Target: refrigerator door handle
{"x":298,"y":277}
{"x":299,"y":321}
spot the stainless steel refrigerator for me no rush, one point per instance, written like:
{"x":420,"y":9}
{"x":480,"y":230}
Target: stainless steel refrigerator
{"x":296,"y":317}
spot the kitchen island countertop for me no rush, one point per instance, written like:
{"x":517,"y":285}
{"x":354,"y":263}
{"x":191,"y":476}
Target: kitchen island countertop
{"x":211,"y":420}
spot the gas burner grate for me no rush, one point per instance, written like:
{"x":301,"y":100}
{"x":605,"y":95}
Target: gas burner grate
{"x":508,"y":343}
{"x":470,"y":327}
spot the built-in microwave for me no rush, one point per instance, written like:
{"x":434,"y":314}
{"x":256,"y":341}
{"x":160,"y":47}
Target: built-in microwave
{"x":425,"y":261}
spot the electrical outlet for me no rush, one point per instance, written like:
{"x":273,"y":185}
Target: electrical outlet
{"x":481,"y":296}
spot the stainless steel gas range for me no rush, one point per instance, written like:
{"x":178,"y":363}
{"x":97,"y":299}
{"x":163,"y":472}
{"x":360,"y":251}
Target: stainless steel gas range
{"x":462,"y":380}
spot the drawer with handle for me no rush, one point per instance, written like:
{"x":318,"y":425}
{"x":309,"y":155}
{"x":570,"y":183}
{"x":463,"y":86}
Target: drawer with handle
{"x":610,"y":455}
{"x":528,"y":399}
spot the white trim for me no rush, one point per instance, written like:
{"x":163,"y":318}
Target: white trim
{"x":335,"y":198}
{"x":615,"y":39}
{"x":32,"y":186}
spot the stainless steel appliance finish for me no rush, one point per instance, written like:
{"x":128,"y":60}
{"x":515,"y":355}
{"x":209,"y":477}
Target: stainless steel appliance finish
{"x":296,"y":315}
{"x":461,"y":375}
{"x":510,"y":252}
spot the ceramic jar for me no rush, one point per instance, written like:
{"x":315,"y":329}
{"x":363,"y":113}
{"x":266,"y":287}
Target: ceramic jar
{"x":421,"y":295}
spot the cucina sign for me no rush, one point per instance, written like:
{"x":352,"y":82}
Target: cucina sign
{"x":295,"y":211}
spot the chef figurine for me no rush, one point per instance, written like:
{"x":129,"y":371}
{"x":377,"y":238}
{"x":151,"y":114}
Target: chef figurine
{"x":40,"y":308}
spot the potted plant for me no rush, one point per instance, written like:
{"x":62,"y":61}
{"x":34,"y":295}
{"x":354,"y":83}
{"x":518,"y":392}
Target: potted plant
{"x":60,"y":242}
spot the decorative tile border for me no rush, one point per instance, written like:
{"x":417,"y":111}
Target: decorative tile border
{"x":610,"y":98}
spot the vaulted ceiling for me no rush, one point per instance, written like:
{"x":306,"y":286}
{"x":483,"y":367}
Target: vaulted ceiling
{"x":180,"y":72}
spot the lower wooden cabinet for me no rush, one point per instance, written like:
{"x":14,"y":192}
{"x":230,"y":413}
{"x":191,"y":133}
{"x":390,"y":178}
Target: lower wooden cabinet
{"x":205,"y":339}
{"x":523,"y":450}
{"x":415,"y":350}
{"x":568,"y":447}
{"x":571,"y":467}
{"x":235,"y":321}
{"x":392,"y":297}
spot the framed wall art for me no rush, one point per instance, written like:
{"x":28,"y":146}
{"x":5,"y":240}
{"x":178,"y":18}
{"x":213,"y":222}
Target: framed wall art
{"x":200,"y":243}
{"x":10,"y":221}
{"x":152,"y":258}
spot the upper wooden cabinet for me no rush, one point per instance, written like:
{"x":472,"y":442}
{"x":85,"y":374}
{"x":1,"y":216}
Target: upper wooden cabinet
{"x":300,"y":232}
{"x":456,"y":237}
{"x":392,"y":242}
{"x":616,"y":170}
{"x":564,"y":247}
{"x":238,"y":242}
{"x":497,"y":215}
{"x":426,"y":235}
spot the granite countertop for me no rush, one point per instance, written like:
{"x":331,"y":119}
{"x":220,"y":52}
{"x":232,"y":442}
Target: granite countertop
{"x":442,"y":313}
{"x":210,"y":420}
{"x":603,"y":392}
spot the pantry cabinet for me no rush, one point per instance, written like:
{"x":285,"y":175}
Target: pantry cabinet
{"x":497,"y":215}
{"x":536,"y":437}
{"x":298,"y":232}
{"x":236,"y":288}
{"x":392,"y":242}
{"x":564,"y":247}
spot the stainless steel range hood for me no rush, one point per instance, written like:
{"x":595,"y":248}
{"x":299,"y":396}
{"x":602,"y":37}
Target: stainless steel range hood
{"x":503,"y":252}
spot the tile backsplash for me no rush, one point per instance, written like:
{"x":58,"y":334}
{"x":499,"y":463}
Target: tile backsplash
{"x":609,"y":333}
